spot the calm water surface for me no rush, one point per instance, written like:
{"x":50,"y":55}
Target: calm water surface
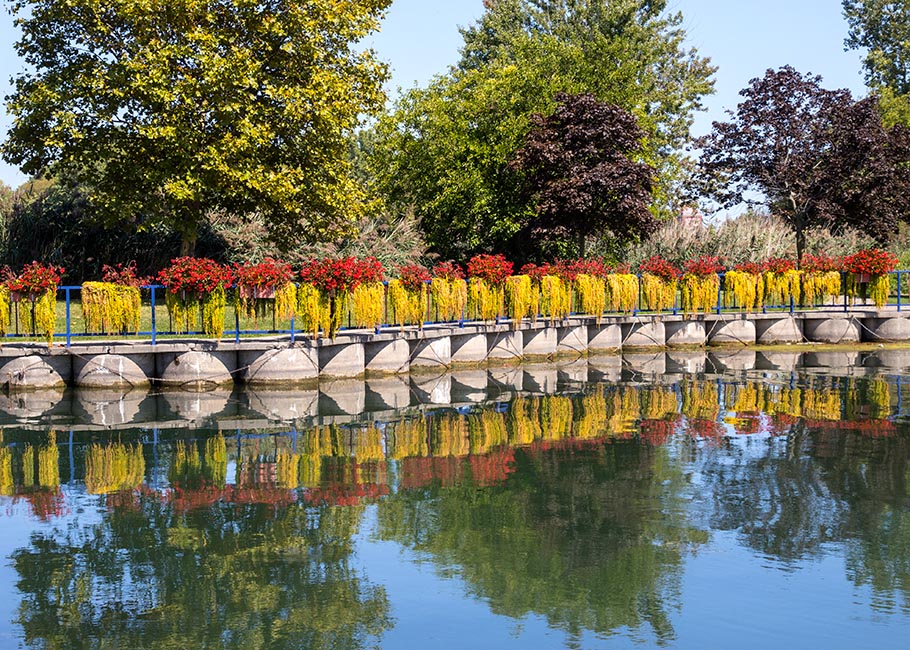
{"x":747,"y":509}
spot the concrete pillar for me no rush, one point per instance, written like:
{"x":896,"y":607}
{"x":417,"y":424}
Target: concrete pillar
{"x":572,"y":340}
{"x":387,"y":356}
{"x":387,"y":393}
{"x":735,"y":330}
{"x":36,"y":371}
{"x":720,"y":361}
{"x":342,"y":360}
{"x":195,"y":369}
{"x":283,"y":405}
{"x":647,"y":332}
{"x":432,"y":390}
{"x":780,"y":329}
{"x":686,"y":362}
{"x":280,"y":366}
{"x":682,"y":333}
{"x":431,"y":353}
{"x":342,"y":397}
{"x":539,"y":379}
{"x":893,"y":329}
{"x":604,"y":337}
{"x":832,"y":330}
{"x":505,"y":346}
{"x":469,"y":348}
{"x":540,"y":342}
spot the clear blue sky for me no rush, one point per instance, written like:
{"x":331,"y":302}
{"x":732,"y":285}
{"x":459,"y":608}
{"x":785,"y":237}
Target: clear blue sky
{"x":420,"y":38}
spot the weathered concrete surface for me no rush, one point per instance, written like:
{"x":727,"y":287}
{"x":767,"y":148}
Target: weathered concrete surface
{"x":779,"y":330}
{"x":731,"y":360}
{"x":832,"y":330}
{"x":342,"y":360}
{"x":194,"y":370}
{"x":469,"y":347}
{"x":895,"y":329}
{"x":540,"y":342}
{"x":644,"y":332}
{"x":505,"y":345}
{"x":431,"y":353}
{"x":681,"y":333}
{"x":279,"y":366}
{"x":572,"y":340}
{"x":36,"y":372}
{"x":604,"y":337}
{"x":732,"y":330}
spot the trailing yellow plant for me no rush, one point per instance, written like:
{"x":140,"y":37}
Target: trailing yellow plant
{"x":524,"y":421}
{"x":286,"y":300}
{"x":49,"y":462}
{"x":7,"y":484}
{"x":408,"y":439}
{"x":555,"y":298}
{"x":518,"y":298}
{"x":113,"y":467}
{"x":368,"y":304}
{"x":485,"y":300}
{"x":213,"y":307}
{"x":109,"y":307}
{"x":184,"y":311}
{"x":743,"y":289}
{"x":407,"y":306}
{"x":312,"y":309}
{"x":487,"y":431}
{"x":621,"y":291}
{"x":4,"y":309}
{"x":782,"y":286}
{"x":449,"y":436}
{"x":700,"y":400}
{"x":556,"y":417}
{"x":698,"y":293}
{"x":287,"y":469}
{"x":878,"y":288}
{"x":820,"y":285}
{"x":38,"y":313}
{"x":657,"y":293}
{"x":450,"y":297}
{"x":592,"y":294}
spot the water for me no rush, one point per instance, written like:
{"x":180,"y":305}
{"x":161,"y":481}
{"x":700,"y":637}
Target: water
{"x":733,"y":508}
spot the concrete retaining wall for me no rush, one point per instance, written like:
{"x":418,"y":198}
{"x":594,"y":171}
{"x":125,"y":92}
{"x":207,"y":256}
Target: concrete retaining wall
{"x":202,"y":365}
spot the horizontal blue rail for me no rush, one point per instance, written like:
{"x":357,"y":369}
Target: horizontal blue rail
{"x":154,"y":292}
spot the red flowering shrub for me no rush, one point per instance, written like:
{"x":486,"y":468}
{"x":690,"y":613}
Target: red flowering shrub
{"x":342,"y":274}
{"x":413,"y":277}
{"x":492,"y":268}
{"x":568,"y":270}
{"x":873,"y":261}
{"x":124,"y":275}
{"x":821,"y":264}
{"x":197,"y":275}
{"x":660,"y":267}
{"x":36,"y":278}
{"x":535,"y":272}
{"x":778,"y":265}
{"x":705,"y":266}
{"x":267,"y":274}
{"x":448,"y":271}
{"x":749,"y":267}
{"x":622,"y":268}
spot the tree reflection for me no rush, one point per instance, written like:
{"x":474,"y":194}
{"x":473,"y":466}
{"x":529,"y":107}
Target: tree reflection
{"x":249,"y":576}
{"x":590,"y":535}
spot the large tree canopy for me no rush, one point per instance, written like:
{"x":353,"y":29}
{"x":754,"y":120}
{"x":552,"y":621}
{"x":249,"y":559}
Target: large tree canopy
{"x":581,"y":170}
{"x":882,"y":29}
{"x":163,"y":109}
{"x":446,"y":148}
{"x":815,"y":157}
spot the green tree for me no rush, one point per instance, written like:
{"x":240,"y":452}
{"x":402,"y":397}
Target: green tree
{"x":445,"y":149}
{"x":882,"y":29}
{"x":163,"y":110}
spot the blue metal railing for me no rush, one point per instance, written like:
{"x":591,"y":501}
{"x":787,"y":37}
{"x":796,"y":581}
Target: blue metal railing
{"x":153,"y":294}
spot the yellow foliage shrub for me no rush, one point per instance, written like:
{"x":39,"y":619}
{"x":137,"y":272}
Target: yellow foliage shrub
{"x":485,"y":302}
{"x":743,"y":290}
{"x":657,"y":294}
{"x":113,"y":467}
{"x":39,"y":317}
{"x":110,"y":308}
{"x":621,"y":292}
{"x":312,"y":309}
{"x":4,"y":310}
{"x":820,"y":285}
{"x":592,"y":294}
{"x":555,"y":298}
{"x":368,"y":304}
{"x":781,"y":287}
{"x":407,"y":307}
{"x":518,"y":298}
{"x":698,"y":293}
{"x":450,"y":298}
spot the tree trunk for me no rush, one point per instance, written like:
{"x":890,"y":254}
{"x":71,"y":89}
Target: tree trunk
{"x":188,"y":241}
{"x":800,"y":245}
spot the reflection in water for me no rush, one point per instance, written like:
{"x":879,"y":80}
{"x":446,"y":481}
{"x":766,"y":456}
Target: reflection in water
{"x":581,"y":508}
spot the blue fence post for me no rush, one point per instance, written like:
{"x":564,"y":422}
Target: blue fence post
{"x":69,"y":332}
{"x":843,"y":283}
{"x":720,"y":280}
{"x":236,"y":326}
{"x":154,"y":324}
{"x":791,"y":305}
{"x":898,"y":291}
